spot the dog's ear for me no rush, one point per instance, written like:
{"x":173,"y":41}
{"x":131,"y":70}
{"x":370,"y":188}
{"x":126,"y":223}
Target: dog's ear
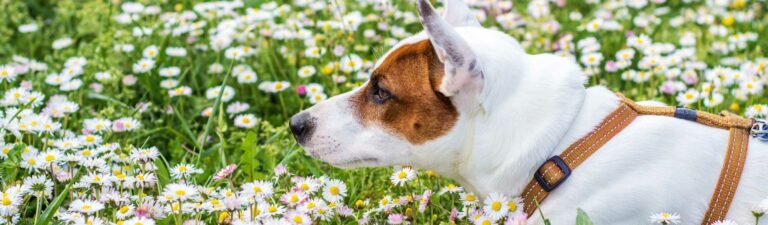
{"x":457,"y":14}
{"x":462,"y":69}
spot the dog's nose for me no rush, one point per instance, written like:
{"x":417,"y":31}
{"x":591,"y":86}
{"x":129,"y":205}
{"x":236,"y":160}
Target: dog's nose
{"x":302,"y":125}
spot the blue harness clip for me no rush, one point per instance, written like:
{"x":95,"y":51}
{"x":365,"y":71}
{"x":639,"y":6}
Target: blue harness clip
{"x":685,"y":113}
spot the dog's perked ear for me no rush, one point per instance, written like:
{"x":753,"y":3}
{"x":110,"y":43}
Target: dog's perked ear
{"x":463,"y":75}
{"x":457,"y":14}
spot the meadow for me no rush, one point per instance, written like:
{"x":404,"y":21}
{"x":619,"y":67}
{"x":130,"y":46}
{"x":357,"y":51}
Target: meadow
{"x":174,"y":111}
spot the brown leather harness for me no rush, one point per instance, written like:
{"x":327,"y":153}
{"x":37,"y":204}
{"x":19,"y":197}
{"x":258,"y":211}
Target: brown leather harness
{"x":557,"y":169}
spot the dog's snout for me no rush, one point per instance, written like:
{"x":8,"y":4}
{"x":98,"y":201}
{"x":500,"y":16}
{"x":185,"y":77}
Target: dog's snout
{"x":302,"y":125}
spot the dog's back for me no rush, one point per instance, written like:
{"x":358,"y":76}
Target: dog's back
{"x":656,"y":164}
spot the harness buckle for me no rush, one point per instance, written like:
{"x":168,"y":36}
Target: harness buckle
{"x":561,"y":165}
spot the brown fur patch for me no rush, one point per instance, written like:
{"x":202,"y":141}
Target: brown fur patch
{"x":416,"y":110}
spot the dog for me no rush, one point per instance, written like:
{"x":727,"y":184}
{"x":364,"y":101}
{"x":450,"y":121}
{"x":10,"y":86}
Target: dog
{"x":472,"y":105}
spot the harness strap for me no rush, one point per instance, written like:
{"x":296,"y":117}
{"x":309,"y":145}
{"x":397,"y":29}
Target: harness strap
{"x":556,"y":170}
{"x":550,"y":174}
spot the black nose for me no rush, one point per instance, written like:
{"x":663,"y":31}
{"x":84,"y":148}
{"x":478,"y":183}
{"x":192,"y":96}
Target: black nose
{"x":302,"y":125}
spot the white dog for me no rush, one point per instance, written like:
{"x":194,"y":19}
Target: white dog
{"x":472,"y":105}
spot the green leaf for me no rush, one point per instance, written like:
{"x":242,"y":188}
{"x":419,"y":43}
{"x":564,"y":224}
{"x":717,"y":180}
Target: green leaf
{"x":93,"y":95}
{"x":47,"y":215}
{"x":250,"y":149}
{"x":582,"y":218}
{"x":163,"y":175}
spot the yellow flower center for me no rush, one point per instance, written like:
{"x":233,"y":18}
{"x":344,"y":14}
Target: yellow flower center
{"x":272,"y":209}
{"x":496,"y":206}
{"x":294,"y":198}
{"x":471,"y":198}
{"x":6,"y":201}
{"x":124,"y":209}
{"x":305,"y":186}
{"x":402,"y":175}
{"x":512,"y":206}
{"x":181,"y":193}
{"x":334,"y":190}
{"x":257,"y":189}
{"x":50,"y":158}
{"x":298,"y":219}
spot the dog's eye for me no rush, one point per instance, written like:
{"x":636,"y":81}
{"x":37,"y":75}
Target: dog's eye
{"x":380,"y":95}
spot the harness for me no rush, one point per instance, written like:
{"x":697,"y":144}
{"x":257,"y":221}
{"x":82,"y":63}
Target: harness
{"x":558,"y":168}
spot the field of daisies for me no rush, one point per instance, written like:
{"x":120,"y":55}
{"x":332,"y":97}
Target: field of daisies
{"x":174,"y":112}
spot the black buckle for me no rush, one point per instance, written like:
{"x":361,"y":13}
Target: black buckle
{"x":563,"y":167}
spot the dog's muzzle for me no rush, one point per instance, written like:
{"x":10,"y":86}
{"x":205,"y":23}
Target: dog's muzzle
{"x":302,"y":125}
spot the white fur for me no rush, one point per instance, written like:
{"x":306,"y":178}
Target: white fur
{"x":535,"y":106}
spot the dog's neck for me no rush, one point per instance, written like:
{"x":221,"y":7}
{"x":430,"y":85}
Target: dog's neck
{"x":528,"y":105}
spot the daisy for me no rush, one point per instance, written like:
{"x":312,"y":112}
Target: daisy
{"x":151,"y":52}
{"x":496,"y":206}
{"x":334,"y":190}
{"x":180,"y":91}
{"x":274,"y":87}
{"x":450,"y":188}
{"x":688,"y":97}
{"x":139,"y":221}
{"x":395,"y":218}
{"x":319,"y":97}
{"x":169,"y":71}
{"x":351,"y":63}
{"x":258,"y":189}
{"x":484,"y":220}
{"x":237,"y":107}
{"x":125,"y":124}
{"x":665,"y":218}
{"x":176,"y":51}
{"x":246,"y":121}
{"x":180,"y":192}
{"x":31,"y":162}
{"x":293,"y":197}
{"x":184,"y":171}
{"x":143,"y":65}
{"x":306,"y":184}
{"x":124,"y":211}
{"x":247,"y":77}
{"x":215,"y":68}
{"x":468,"y":198}
{"x":144,"y":154}
{"x":314,"y":88}
{"x":97,"y":125}
{"x":725,"y":222}
{"x":298,"y":218}
{"x":28,"y":28}
{"x":307,"y":71}
{"x":51,"y":156}
{"x":7,"y":73}
{"x":9,"y":202}
{"x":85,"y":206}
{"x":314,"y":52}
{"x":169,"y":84}
{"x":639,"y":42}
{"x":516,"y":206}
{"x":214,"y":92}
{"x":401,"y":176}
{"x":62,"y":43}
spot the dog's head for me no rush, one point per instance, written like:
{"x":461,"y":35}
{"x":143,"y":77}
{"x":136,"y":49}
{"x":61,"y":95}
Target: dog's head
{"x":418,"y":96}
